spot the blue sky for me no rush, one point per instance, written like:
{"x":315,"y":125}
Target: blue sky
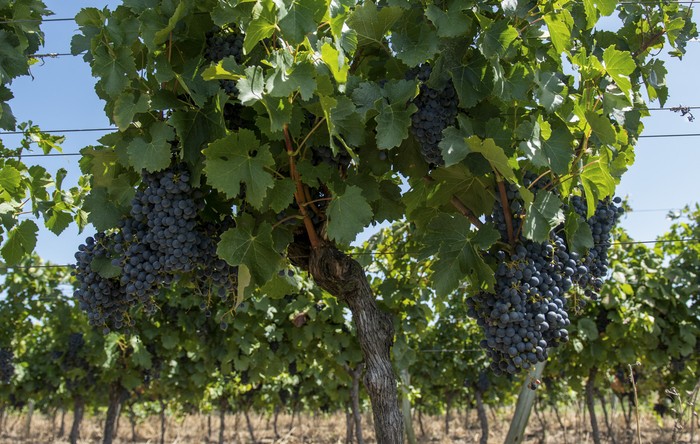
{"x":60,"y":95}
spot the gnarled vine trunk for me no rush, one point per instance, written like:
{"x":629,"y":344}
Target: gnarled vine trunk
{"x":483,"y":418}
{"x":116,"y":397}
{"x":78,"y":410}
{"x":344,"y":278}
{"x":590,"y":403}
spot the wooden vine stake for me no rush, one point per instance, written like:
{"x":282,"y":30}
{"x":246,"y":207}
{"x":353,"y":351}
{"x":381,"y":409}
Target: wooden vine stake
{"x":526,"y":399}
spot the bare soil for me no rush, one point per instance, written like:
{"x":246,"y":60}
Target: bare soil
{"x":331,"y":429}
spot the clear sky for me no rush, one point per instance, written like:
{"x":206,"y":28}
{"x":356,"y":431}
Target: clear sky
{"x":60,"y":95}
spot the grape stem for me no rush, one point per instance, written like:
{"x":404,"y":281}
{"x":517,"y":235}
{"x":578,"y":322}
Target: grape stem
{"x":299,"y":193}
{"x":310,"y":202}
{"x":506,"y":209}
{"x":459,"y":205}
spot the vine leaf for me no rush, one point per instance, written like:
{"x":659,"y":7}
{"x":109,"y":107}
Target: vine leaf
{"x":450,"y":23}
{"x":251,"y":244}
{"x":239,"y":158}
{"x":336,"y":62}
{"x":543,"y":215}
{"x":587,"y":328}
{"x":550,"y":90}
{"x":302,"y":18}
{"x":348,"y":214}
{"x":597,"y":183}
{"x":20,"y":242}
{"x":372,"y":24}
{"x":578,"y":233}
{"x":494,"y":154}
{"x":10,"y":179}
{"x":152,"y":155}
{"x":104,"y":267}
{"x":114,"y":67}
{"x":619,"y":65}
{"x":126,"y":107}
{"x":252,"y":86}
{"x":560,"y":24}
{"x":393,"y":122}
{"x":457,"y":247}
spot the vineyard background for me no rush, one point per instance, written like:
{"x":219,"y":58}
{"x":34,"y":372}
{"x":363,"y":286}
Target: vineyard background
{"x":291,"y":351}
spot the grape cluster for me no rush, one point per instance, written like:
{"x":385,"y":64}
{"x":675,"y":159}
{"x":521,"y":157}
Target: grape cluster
{"x":604,"y":219}
{"x":324,"y":155}
{"x":104,"y":299}
{"x":163,"y":238}
{"x":221,"y":44}
{"x":527,"y":314}
{"x":7,"y":367}
{"x":72,"y":358}
{"x":437,"y":109}
{"x":167,"y":207}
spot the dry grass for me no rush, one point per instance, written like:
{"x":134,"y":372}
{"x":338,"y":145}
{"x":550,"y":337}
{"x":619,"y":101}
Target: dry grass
{"x":543,"y":429}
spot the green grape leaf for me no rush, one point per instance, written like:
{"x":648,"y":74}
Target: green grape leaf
{"x":240,"y":159}
{"x":252,"y":86}
{"x":20,"y":242}
{"x":348,"y":214}
{"x":251,"y":244}
{"x":155,"y":154}
{"x":126,"y":107}
{"x":59,"y":218}
{"x":104,"y":267}
{"x":10,"y":179}
{"x":578,"y":233}
{"x":114,"y":66}
{"x":602,"y":127}
{"x":281,"y":195}
{"x":194,"y":128}
{"x":371,"y":23}
{"x":597,"y":182}
{"x":550,"y":90}
{"x":473,"y":81}
{"x":458,"y":253}
{"x":543,"y":215}
{"x":103,"y":214}
{"x":336,"y":62}
{"x":393,"y":122}
{"x":560,"y":24}
{"x":415,"y":41}
{"x":619,"y":65}
{"x":497,"y":39}
{"x":493,"y":154}
{"x":260,"y":28}
{"x":302,"y":18}
{"x":587,"y":328}
{"x":450,"y":23}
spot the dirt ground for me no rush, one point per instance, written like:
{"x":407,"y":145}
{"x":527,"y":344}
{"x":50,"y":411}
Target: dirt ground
{"x":464,"y":428}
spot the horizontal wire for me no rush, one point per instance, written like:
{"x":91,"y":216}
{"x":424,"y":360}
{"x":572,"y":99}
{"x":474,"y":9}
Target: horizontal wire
{"x":649,"y":136}
{"x":72,"y":19}
{"x":383,"y":253}
{"x":69,"y":130}
{"x":10,"y":156}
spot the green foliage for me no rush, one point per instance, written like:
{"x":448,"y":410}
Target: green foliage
{"x":20,"y":38}
{"x":30,"y":190}
{"x":315,"y":73}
